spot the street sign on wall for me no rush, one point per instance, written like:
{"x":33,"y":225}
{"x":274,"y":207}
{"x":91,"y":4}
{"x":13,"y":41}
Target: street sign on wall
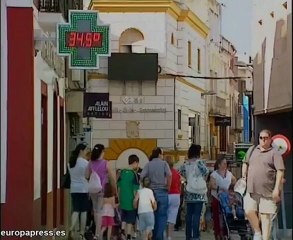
{"x":83,"y":39}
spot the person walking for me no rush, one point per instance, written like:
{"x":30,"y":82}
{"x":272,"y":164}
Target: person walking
{"x":160,"y":176}
{"x":220,"y":180}
{"x":103,"y":169}
{"x":174,"y":198}
{"x":108,"y":211}
{"x":146,"y":204}
{"x":79,"y":188}
{"x":127,"y":187}
{"x":263,"y":168}
{"x":194,"y":171}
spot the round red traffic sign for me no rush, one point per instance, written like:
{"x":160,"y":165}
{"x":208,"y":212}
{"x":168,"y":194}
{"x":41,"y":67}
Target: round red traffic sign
{"x":281,"y":144}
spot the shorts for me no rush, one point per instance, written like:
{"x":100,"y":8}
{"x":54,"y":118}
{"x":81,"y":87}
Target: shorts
{"x":80,"y":202}
{"x":128,"y":216}
{"x":259,"y":204}
{"x":107,"y":221}
{"x":146,"y":221}
{"x":173,"y":206}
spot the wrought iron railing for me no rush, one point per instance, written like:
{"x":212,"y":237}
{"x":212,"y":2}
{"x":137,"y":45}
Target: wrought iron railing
{"x":58,"y":6}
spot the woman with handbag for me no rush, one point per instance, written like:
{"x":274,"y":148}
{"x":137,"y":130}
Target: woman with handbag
{"x":102,"y":170}
{"x":221,"y":179}
{"x":194,"y":171}
{"x":79,"y":187}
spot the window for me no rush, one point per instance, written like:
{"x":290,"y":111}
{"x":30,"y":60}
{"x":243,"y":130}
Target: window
{"x":194,"y":129}
{"x":179,"y":119}
{"x":189,"y":54}
{"x":172,"y":39}
{"x":131,"y":41}
{"x":198,"y":60}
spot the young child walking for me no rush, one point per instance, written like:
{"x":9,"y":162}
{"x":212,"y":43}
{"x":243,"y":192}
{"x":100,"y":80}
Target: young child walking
{"x":145,"y":202}
{"x":108,"y":212}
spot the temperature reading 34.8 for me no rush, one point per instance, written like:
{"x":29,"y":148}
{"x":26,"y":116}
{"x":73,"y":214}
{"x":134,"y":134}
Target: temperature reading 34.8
{"x":84,"y":39}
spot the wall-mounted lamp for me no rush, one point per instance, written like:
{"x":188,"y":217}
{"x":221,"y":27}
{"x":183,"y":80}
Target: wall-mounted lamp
{"x":208,"y":93}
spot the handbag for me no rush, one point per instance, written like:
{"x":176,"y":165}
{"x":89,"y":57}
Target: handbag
{"x":65,"y":180}
{"x":245,"y":181}
{"x":95,"y":185}
{"x":195,"y":181}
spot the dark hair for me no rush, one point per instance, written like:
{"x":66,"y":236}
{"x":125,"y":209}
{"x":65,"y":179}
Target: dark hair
{"x":108,"y":191}
{"x":194,"y":151}
{"x":132,"y":159}
{"x":155,"y":154}
{"x":146,"y":182}
{"x":231,"y":187}
{"x":75,"y":153}
{"x":218,"y":162}
{"x":97,"y":151}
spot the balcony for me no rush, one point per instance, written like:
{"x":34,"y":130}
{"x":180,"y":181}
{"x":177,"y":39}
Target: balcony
{"x":217,"y":106}
{"x":52,"y":12}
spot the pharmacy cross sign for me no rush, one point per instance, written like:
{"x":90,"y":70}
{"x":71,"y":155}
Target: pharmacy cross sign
{"x":83,"y":39}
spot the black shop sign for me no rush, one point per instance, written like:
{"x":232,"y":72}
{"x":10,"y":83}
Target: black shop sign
{"x":223,"y":121}
{"x":97,"y":105}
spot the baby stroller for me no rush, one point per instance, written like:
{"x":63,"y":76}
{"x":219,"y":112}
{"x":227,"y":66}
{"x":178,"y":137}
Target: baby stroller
{"x":238,"y":225}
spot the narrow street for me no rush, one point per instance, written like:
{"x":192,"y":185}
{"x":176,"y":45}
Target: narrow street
{"x":113,"y":109}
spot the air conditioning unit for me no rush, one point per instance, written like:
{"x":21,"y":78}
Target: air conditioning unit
{"x":214,"y":141}
{"x":76,"y":75}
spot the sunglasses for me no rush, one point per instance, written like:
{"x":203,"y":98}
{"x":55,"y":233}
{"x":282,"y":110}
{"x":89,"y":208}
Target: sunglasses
{"x":263,"y":138}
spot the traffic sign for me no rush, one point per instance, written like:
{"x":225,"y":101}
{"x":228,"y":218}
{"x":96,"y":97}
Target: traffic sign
{"x":83,"y":39}
{"x":281,"y":144}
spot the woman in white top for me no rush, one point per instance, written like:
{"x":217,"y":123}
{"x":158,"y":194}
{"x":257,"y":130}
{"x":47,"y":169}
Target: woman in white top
{"x":146,"y":204}
{"x":79,"y":187}
{"x":221,"y":179}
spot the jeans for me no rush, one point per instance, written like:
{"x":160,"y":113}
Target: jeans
{"x":161,"y":197}
{"x":193,"y":213}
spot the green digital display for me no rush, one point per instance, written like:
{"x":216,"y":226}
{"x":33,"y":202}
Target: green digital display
{"x":83,"y":39}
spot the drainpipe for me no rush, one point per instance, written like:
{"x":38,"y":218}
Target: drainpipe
{"x":174,"y":97}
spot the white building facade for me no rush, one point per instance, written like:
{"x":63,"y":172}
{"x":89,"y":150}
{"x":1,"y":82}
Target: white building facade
{"x":173,"y":114}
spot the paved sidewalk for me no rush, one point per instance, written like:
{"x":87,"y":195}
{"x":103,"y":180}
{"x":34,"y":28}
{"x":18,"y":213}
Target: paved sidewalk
{"x":208,"y":235}
{"x":180,"y":235}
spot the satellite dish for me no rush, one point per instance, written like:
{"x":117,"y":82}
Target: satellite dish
{"x":281,"y":144}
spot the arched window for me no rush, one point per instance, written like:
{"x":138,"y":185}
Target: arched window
{"x":131,"y":41}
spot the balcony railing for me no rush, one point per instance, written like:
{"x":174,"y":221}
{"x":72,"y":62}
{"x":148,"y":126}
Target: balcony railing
{"x":58,"y":6}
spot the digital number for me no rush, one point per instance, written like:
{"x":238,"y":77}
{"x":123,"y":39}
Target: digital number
{"x":88,"y":39}
{"x":72,"y":39}
{"x":85,"y":40}
{"x":96,"y":39}
{"x":79,"y":39}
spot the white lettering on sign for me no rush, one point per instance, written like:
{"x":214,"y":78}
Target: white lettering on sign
{"x":100,"y":106}
{"x":132,"y":100}
{"x":138,"y":110}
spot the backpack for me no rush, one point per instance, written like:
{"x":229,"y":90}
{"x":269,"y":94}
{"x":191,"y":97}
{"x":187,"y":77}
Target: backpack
{"x":195,"y":181}
{"x":95,"y":185}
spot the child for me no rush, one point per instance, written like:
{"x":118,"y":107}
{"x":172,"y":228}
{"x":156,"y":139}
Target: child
{"x":108,"y":210}
{"x":145,"y":202}
{"x":233,"y":201}
{"x":127,"y":187}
